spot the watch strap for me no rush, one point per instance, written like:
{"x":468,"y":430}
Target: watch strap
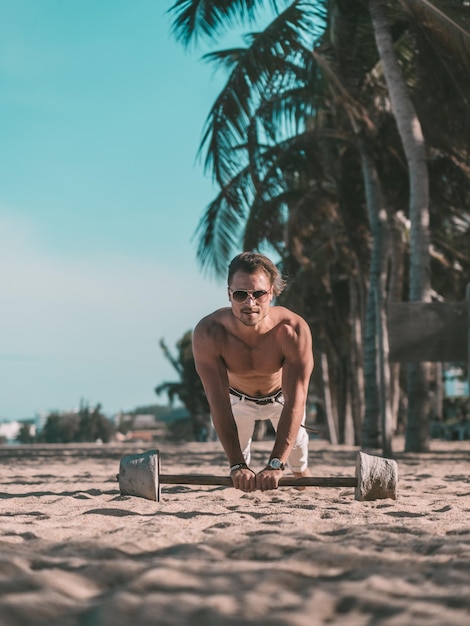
{"x":238,"y":466}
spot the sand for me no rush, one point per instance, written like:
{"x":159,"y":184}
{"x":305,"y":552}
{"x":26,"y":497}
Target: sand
{"x":76,"y":552}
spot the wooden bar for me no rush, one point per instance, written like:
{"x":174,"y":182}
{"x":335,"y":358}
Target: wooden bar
{"x":287,"y":481}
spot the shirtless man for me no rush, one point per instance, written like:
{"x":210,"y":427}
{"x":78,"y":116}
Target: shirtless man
{"x":255,"y":361}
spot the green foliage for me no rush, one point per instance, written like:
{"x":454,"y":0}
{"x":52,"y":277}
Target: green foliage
{"x":87,"y":425}
{"x":182,"y":430}
{"x":94,"y":425}
{"x":25,"y":434}
{"x":157,"y":410}
{"x":188,"y":389}
{"x":59,"y":428}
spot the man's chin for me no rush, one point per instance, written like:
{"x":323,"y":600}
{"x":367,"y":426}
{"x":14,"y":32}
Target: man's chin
{"x":249,"y":319}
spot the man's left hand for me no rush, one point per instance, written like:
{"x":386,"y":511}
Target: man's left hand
{"x":268,"y":479}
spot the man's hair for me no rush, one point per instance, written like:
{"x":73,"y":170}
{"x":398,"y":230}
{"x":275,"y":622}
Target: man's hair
{"x":252,"y":262}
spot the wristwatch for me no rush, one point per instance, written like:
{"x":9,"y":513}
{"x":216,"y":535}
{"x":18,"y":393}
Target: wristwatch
{"x":276,"y":464}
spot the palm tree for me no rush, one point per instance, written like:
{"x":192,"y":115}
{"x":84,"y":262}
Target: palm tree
{"x":457,"y":42}
{"x":274,"y":140}
{"x":412,"y":138}
{"x":411,"y":135}
{"x":265,"y":153}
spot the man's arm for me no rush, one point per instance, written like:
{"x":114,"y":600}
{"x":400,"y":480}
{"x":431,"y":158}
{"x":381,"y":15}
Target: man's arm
{"x":296,"y":371}
{"x":210,"y":366}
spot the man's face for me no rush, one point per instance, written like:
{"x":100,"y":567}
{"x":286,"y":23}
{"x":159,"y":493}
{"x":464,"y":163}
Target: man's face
{"x":251,"y":309}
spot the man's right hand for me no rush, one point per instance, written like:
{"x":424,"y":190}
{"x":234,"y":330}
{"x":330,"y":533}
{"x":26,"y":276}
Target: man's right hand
{"x":244,"y":479}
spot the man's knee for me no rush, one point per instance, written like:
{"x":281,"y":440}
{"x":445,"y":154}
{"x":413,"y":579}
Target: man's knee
{"x":302,"y":439}
{"x":298,"y":457}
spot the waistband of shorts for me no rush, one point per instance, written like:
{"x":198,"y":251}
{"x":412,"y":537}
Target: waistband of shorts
{"x":260,"y":400}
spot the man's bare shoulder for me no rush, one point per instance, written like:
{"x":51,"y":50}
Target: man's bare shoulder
{"x":294,"y":335}
{"x":287,"y":319}
{"x":213,"y":325}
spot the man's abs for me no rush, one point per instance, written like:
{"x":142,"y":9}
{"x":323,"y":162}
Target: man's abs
{"x":255,"y":384}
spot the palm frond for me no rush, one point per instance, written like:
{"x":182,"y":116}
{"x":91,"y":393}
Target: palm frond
{"x":223,"y":134}
{"x":290,"y":169}
{"x":276,"y":121}
{"x":267,"y":224}
{"x":350,"y":39}
{"x":276,"y":59}
{"x":220,"y":229}
{"x":435,"y":51}
{"x":356,"y":112}
{"x":447,"y":23}
{"x":194,"y":18}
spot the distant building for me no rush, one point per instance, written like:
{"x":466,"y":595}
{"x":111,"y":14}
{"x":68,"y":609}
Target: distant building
{"x":147,"y":427}
{"x":145,"y":436}
{"x":143,"y":422}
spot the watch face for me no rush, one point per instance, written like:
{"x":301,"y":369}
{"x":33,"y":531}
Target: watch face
{"x":275,"y":464}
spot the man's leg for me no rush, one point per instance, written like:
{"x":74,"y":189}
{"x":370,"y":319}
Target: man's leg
{"x":245,"y":416}
{"x":298,"y":457}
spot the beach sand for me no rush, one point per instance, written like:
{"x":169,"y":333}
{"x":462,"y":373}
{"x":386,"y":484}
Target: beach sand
{"x":76,"y":552}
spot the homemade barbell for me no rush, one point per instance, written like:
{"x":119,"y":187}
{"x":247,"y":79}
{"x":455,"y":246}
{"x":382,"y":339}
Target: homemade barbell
{"x":376,"y":477}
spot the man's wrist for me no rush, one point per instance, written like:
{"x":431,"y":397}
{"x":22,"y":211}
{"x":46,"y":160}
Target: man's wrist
{"x":275,"y":464}
{"x":237,"y":466}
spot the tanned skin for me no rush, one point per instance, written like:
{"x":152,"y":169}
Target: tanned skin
{"x":257,"y":349}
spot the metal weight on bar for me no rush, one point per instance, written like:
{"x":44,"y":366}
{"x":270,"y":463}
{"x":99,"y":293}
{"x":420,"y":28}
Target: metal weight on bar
{"x":376,"y":477}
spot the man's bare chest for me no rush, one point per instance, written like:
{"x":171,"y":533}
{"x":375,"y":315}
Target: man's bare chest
{"x":263,"y":357}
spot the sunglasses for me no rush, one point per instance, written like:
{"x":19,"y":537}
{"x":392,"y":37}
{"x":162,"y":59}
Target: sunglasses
{"x":241,"y":295}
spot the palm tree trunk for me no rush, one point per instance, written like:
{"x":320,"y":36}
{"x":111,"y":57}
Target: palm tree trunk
{"x":395,"y":293}
{"x":327,"y":400}
{"x":383,"y":366}
{"x":375,"y":377}
{"x":356,"y":365}
{"x":409,"y":128}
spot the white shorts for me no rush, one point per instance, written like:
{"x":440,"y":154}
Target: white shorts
{"x":246,"y":412}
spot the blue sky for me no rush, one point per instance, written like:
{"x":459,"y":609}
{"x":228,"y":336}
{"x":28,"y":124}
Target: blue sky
{"x":101,"y":115}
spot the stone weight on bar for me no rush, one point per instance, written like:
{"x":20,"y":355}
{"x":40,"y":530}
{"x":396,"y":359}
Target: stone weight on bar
{"x":376,"y":478}
{"x":139,"y":475}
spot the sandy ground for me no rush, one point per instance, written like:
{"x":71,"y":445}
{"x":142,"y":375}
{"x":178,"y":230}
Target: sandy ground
{"x":73,"y":551}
